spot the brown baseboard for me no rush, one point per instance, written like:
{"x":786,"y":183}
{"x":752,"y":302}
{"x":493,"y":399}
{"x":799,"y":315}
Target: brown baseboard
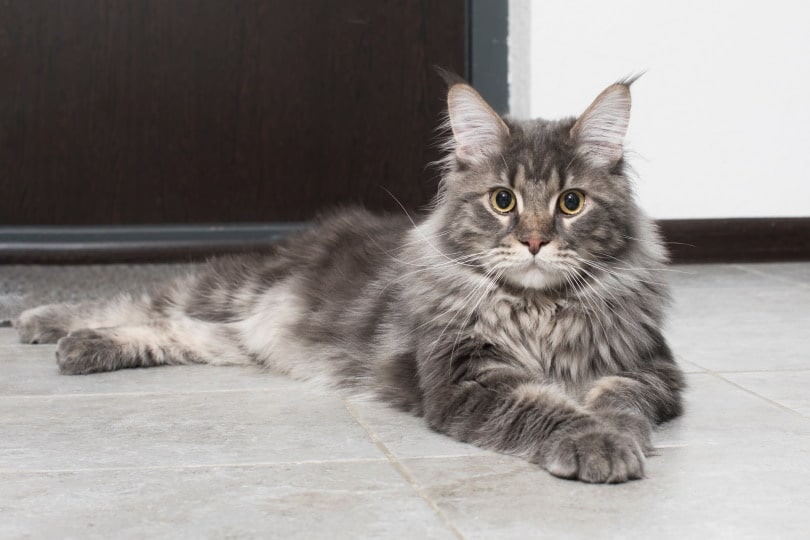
{"x":737,"y":240}
{"x":688,"y":240}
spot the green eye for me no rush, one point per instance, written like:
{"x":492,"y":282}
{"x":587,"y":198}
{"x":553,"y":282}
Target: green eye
{"x":502,"y":200}
{"x":572,"y":202}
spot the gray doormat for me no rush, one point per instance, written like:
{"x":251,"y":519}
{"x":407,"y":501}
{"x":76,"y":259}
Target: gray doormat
{"x":26,"y":286}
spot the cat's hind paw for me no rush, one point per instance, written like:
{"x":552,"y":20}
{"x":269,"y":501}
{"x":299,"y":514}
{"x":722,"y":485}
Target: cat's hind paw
{"x":87,"y":351}
{"x":596,"y":456}
{"x":43,"y":324}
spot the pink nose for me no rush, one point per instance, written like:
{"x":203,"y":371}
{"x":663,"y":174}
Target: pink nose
{"x":534,"y":243}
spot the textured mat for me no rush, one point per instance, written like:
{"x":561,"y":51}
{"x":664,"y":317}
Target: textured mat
{"x":23,"y":286}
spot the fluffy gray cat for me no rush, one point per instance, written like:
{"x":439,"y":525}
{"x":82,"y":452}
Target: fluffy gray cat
{"x":522,"y":313}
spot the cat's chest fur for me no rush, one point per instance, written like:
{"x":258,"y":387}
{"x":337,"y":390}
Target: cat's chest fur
{"x":549,"y":335}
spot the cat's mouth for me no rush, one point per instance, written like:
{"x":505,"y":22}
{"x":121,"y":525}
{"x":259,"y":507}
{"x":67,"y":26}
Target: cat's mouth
{"x":535,"y":273}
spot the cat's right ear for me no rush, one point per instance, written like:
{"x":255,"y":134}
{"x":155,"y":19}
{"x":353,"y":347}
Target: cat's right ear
{"x":478,"y":131}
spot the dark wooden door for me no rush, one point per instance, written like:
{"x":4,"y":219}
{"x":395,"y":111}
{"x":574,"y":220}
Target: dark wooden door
{"x":201,"y":111}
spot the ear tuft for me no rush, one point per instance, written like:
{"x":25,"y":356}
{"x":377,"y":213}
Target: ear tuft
{"x":599,"y":132}
{"x":478,"y":131}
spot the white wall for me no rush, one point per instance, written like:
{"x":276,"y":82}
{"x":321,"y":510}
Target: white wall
{"x":721,"y":119}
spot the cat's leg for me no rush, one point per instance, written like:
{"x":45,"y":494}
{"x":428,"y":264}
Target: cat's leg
{"x":48,"y":323}
{"x":636,"y":400}
{"x":161,"y":342}
{"x":489,"y":401}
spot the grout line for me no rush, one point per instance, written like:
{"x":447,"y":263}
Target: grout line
{"x":760,"y":273}
{"x":455,"y":456}
{"x":742,"y":371}
{"x":732,"y":371}
{"x":167,"y":392}
{"x":684,"y":363}
{"x":403,"y":471}
{"x":193,"y":467}
{"x":749,"y":391}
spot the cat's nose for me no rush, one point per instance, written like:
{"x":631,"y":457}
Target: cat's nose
{"x":534,"y":243}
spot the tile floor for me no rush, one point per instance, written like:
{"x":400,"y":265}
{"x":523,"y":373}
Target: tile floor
{"x":226,"y":452}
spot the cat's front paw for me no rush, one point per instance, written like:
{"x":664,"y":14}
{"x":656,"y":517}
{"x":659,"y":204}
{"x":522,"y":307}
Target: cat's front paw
{"x":596,"y":455}
{"x":85,"y":351}
{"x":43,"y":324}
{"x":629,"y":423}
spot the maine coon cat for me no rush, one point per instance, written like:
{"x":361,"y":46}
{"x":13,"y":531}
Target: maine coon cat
{"x":522,"y":313}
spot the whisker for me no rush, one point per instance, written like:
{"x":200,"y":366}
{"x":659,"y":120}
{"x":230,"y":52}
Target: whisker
{"x":614,"y":312}
{"x":607,"y":270}
{"x":425,"y":268}
{"x":415,"y":226}
{"x":656,"y":242}
{"x":467,"y":298}
{"x":464,"y":301}
{"x":592,"y":303}
{"x":475,"y":307}
{"x":602,"y":254}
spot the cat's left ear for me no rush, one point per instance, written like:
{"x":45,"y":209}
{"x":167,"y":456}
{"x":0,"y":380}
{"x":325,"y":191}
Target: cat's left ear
{"x":599,"y":132}
{"x":478,"y":131}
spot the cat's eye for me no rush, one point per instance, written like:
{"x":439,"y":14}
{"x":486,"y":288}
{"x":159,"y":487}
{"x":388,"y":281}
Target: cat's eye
{"x":502,"y":200}
{"x":572,"y":202}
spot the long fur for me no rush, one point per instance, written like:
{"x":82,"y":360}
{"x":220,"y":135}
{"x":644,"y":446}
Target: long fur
{"x":557,"y":357}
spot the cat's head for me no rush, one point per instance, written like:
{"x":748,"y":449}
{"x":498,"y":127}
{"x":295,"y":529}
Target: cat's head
{"x":536,"y":201}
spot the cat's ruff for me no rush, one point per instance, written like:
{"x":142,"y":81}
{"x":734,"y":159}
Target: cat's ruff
{"x":522,"y":313}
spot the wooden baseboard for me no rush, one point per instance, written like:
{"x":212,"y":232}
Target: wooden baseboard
{"x":689,"y":241}
{"x":737,"y":240}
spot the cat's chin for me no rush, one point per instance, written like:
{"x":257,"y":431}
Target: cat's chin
{"x":535,"y":276}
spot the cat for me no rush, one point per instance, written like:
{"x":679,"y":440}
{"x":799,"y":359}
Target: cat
{"x":522,"y":313}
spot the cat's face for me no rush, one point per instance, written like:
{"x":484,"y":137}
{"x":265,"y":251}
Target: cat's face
{"x":538,"y":203}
